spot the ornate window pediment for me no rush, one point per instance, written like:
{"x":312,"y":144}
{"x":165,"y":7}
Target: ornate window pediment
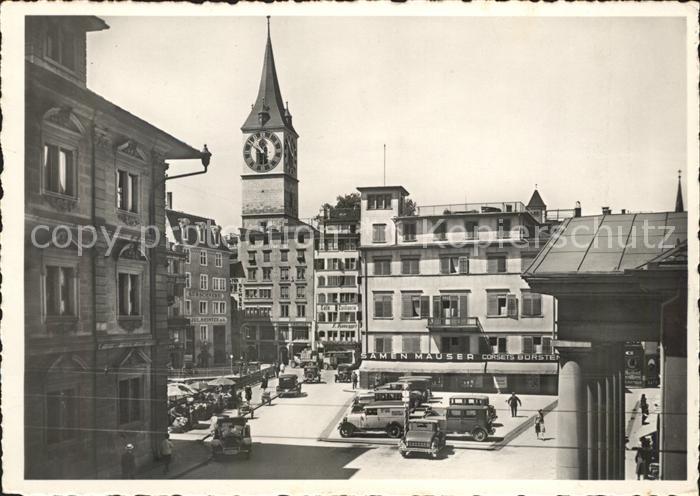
{"x":134,"y":358}
{"x":64,"y":118}
{"x":131,"y":148}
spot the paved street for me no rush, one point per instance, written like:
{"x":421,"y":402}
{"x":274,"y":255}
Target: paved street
{"x":286,"y":446}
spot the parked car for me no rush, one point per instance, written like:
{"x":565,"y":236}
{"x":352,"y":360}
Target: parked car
{"x":416,"y":395}
{"x":312,"y":374}
{"x":232,"y":437}
{"x":288,"y":385}
{"x":386,"y":416}
{"x":474,"y":399}
{"x":467,"y":419}
{"x":423,"y":436}
{"x":344,"y":373}
{"x":361,"y":400}
{"x":422,"y":383}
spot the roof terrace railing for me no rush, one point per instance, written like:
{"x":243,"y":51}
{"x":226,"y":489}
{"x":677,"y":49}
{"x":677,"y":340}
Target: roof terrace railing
{"x":471,"y":208}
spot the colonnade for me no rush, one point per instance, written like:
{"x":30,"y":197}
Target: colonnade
{"x":591,"y":411}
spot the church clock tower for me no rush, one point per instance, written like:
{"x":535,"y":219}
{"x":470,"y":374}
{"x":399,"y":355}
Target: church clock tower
{"x":270,"y":192}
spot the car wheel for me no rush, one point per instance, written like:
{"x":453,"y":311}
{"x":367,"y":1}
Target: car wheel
{"x":434,"y":450}
{"x":404,"y":454}
{"x":479,"y":434}
{"x":394,"y":430}
{"x":346,"y":430}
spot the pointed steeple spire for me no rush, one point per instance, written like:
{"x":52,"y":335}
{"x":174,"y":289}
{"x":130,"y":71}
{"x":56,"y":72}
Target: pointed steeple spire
{"x":268,"y":111}
{"x":679,"y":195}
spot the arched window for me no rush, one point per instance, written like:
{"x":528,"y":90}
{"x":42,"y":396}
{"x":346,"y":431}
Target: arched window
{"x":321,"y":317}
{"x":321,"y":334}
{"x":321,"y":298}
{"x":321,"y":281}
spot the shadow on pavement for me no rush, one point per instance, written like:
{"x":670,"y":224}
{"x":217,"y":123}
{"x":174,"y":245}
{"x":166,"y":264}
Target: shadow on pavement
{"x":281,"y":461}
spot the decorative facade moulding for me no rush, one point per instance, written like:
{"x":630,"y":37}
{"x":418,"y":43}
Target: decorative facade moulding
{"x":131,"y":148}
{"x":130,"y":324}
{"x":64,"y":117}
{"x":103,"y":140}
{"x":61,"y":203}
{"x":128,"y":218}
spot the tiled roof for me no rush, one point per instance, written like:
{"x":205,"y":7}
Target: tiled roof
{"x":610,"y":243}
{"x":269,"y":98}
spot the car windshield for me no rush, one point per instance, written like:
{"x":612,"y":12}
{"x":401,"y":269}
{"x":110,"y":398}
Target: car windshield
{"x":420,"y":426}
{"x":287,"y":381}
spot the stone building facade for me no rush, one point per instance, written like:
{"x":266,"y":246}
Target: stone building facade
{"x":338,"y":296}
{"x":96,"y":336}
{"x":445,"y":280}
{"x":206,"y":298}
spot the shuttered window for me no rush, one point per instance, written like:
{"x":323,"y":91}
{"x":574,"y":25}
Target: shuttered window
{"x":528,"y":346}
{"x":546,"y":345}
{"x":382,"y":305}
{"x":501,"y":305}
{"x":532,"y":304}
{"x":415,"y":306}
{"x":496,"y":264}
{"x":410,"y":266}
{"x":454,"y":265}
{"x":410,"y":344}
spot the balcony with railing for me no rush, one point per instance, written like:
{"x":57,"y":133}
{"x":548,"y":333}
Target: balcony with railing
{"x":471,"y":208}
{"x":467,"y":324}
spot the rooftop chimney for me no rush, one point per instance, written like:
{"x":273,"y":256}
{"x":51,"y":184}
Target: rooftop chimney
{"x":577,"y":209}
{"x":169,"y":200}
{"x":623,"y":211}
{"x":606,"y":210}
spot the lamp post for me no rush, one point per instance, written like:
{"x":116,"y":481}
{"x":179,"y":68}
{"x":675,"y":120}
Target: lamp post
{"x":231,"y":357}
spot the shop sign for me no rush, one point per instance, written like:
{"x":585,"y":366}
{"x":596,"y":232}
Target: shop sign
{"x":208,"y":320}
{"x":335,"y":307}
{"x":337,"y":326}
{"x":194,"y":293}
{"x":460,"y":357}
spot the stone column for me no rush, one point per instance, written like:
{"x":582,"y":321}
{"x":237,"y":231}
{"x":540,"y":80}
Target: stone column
{"x":592,"y":427}
{"x":614,"y":439}
{"x":621,"y":410}
{"x":609,"y":417}
{"x":572,"y":457}
{"x":602,"y":454}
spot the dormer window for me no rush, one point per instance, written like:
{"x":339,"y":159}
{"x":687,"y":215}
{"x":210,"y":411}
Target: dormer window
{"x":61,"y":46}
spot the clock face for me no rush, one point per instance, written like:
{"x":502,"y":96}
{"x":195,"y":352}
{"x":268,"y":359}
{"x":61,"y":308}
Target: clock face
{"x":290,"y":155}
{"x":262,"y":151}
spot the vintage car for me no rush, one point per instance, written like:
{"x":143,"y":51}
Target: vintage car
{"x":416,"y":395}
{"x":422,"y":383}
{"x":231,"y":437}
{"x":288,"y":385}
{"x":474,"y":399}
{"x":312,"y":374}
{"x":361,"y":400}
{"x":385,"y":416}
{"x":423,"y":436}
{"x":467,"y":419}
{"x":344,"y":373}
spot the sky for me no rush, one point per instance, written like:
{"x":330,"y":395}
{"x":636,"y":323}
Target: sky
{"x":470,"y":108}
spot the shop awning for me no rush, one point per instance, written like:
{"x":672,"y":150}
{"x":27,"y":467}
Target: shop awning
{"x":538,"y":368}
{"x":424,"y":367}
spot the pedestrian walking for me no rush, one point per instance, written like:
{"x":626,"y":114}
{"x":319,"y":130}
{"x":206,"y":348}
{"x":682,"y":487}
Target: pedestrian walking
{"x":276,"y":369}
{"x":539,"y":424}
{"x":128,"y":462}
{"x":166,"y":453}
{"x":644,"y":407}
{"x":263,"y":382}
{"x":248,"y":394}
{"x":642,"y":460}
{"x":281,"y":368}
{"x":354,"y":379}
{"x":514,"y":402}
